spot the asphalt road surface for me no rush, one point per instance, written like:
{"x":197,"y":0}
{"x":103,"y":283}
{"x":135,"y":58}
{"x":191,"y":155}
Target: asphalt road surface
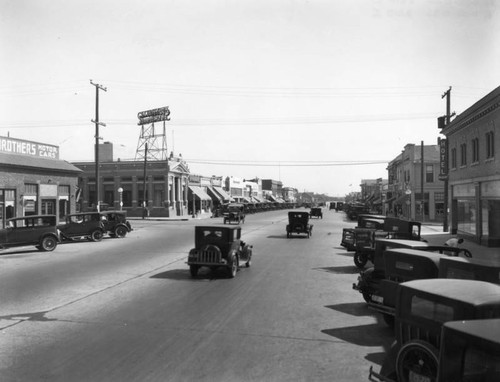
{"x":128,"y":309}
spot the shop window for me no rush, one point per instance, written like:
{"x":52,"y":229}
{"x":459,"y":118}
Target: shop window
{"x":454,"y":158}
{"x":466,"y":216}
{"x":490,"y":145}
{"x":463,"y":154}
{"x":475,"y":150}
{"x":127,"y":198}
{"x":31,"y":189}
{"x":429,"y":173}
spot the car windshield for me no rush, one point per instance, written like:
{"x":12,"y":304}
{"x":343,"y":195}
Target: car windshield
{"x":212,"y":234}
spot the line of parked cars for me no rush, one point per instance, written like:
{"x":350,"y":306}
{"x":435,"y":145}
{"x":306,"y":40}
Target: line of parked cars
{"x":45,"y":233}
{"x":443,"y":305}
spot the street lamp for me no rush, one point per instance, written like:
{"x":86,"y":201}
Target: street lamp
{"x":120,"y":194}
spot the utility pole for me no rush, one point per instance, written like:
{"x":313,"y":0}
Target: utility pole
{"x":448,"y":117}
{"x":97,"y":123}
{"x":422,"y":168}
{"x":144,"y":184}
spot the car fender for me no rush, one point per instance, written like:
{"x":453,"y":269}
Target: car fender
{"x":58,"y":239}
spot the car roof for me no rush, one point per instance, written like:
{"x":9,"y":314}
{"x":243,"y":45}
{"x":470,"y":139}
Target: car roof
{"x":214,"y":227}
{"x":473,"y":292}
{"x":493,"y":261}
{"x":486,"y":329}
{"x":113,"y":212}
{"x":414,"y":252}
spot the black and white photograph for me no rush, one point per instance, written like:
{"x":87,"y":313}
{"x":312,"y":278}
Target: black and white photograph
{"x":249,"y":190}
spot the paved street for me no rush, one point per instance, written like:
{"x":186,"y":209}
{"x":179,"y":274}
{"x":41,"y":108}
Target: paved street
{"x":128,"y":310}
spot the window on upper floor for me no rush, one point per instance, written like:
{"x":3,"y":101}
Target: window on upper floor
{"x":453,"y":158}
{"x":463,"y":154}
{"x":429,"y":173}
{"x":475,"y":150}
{"x":490,"y":144}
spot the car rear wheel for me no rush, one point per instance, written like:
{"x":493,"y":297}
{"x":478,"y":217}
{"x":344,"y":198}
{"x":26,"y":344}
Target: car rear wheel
{"x":417,"y":361}
{"x":120,"y":231}
{"x":49,"y":243}
{"x":96,"y":235}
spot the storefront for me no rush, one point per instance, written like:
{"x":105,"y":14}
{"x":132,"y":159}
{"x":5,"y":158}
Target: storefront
{"x":34,"y":181}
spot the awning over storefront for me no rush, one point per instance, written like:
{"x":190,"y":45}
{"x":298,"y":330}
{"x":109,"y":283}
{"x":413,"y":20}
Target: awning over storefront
{"x":214,"y":195}
{"x":402,"y":199}
{"x":272,"y":198}
{"x":255,"y":199}
{"x":225,"y":196}
{"x":243,"y":199}
{"x":199,"y":193}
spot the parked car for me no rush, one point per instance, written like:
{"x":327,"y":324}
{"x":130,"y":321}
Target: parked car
{"x":470,"y":269}
{"x":116,"y":223}
{"x":365,"y":221}
{"x":470,"y":351}
{"x":316,"y":212}
{"x":219,"y":247}
{"x":397,"y":261}
{"x":394,"y":228}
{"x":37,"y":230}
{"x":298,"y":222}
{"x":234,"y":213}
{"x":422,"y":308}
{"x":82,"y":225}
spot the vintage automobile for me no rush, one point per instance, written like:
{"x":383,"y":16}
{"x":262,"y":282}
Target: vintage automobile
{"x":365,"y":221}
{"x":298,"y":222}
{"x":470,"y":269}
{"x":316,"y":212}
{"x":116,"y":223}
{"x":423,"y":307}
{"x":37,"y":230}
{"x":394,"y":228}
{"x":219,"y":247}
{"x":82,"y":225}
{"x":234,"y":213}
{"x":398,"y":261}
{"x":470,"y":351}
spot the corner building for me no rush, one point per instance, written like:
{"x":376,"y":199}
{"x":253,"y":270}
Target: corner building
{"x":474,"y":171}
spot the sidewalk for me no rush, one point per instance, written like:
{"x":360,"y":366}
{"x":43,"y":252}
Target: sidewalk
{"x":434,"y":235}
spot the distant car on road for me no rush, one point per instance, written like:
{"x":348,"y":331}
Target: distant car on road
{"x":298,"y":222}
{"x":219,"y":247}
{"x":85,"y":224}
{"x":316,"y":212}
{"x":37,"y":230}
{"x":234,"y":213}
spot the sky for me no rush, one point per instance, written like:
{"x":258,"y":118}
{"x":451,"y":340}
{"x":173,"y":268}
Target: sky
{"x":318,"y":94}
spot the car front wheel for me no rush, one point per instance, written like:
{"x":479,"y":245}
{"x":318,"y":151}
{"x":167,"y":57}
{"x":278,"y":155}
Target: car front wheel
{"x":193,"y":269}
{"x":120,"y":231}
{"x":360,"y":260}
{"x":233,"y":268}
{"x":49,"y":243}
{"x":96,"y":235}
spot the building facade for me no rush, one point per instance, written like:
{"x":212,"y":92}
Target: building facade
{"x":152,"y":188}
{"x":34,"y":181}
{"x":409,"y":173}
{"x":474,"y":171}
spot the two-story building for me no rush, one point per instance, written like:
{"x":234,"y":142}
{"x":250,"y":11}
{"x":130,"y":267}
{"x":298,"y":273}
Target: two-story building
{"x":414,"y":170}
{"x":474,"y":171}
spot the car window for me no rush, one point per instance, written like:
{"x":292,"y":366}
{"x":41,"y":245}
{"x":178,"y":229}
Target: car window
{"x":76,"y":219}
{"x":431,"y":310}
{"x":212,"y":234}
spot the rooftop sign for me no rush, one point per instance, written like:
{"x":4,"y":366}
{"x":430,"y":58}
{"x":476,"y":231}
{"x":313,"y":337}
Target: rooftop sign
{"x":153,"y":115}
{"x":28,"y":148}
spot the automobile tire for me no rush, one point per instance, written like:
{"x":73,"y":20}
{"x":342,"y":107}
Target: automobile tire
{"x":233,"y":266}
{"x":96,"y":235}
{"x":360,"y":260}
{"x":288,"y":235}
{"x":193,"y":269}
{"x":120,"y":232}
{"x":48,"y":244}
{"x":367,"y":296}
{"x":417,"y":357}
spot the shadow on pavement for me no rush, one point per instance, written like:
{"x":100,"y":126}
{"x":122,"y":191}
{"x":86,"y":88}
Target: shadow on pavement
{"x":344,"y":270}
{"x":363,"y":335}
{"x":358,"y":309}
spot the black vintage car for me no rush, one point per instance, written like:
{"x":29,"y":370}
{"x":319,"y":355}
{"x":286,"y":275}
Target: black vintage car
{"x":219,"y":247}
{"x":470,"y":351}
{"x":422,"y":309}
{"x":234,"y":213}
{"x":366,"y":222}
{"x":316,"y":212}
{"x":397,"y":261}
{"x":82,"y":225}
{"x":37,"y":230}
{"x":298,"y":223}
{"x":116,"y":223}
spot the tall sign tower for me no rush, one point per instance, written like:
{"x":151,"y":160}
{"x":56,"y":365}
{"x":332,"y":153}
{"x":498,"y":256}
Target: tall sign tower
{"x":152,"y":144}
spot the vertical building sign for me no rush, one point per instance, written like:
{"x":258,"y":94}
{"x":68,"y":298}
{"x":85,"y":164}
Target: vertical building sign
{"x":443,"y":159}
